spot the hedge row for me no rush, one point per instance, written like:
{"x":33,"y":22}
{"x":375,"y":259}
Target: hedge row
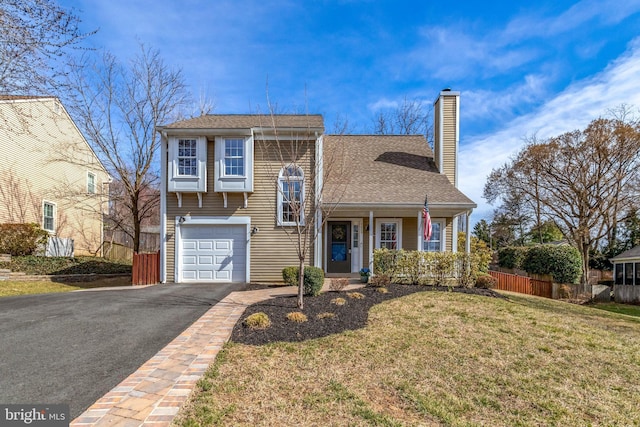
{"x":21,"y":239}
{"x":428,"y":268}
{"x":562,"y":262}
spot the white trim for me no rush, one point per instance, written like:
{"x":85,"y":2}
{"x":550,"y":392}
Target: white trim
{"x":325,"y":243}
{"x":95,"y":182}
{"x":371,"y":230}
{"x":212,"y":220}
{"x":164,"y":144}
{"x":186,"y":183}
{"x":319,"y":152}
{"x":280,"y":195}
{"x":443,"y":233}
{"x":440,"y":141}
{"x":398,"y":222}
{"x":54,"y":215}
{"x":233,"y":183}
{"x":467,"y":242}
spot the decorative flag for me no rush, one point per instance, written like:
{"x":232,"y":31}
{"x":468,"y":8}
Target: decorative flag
{"x":426,"y":223}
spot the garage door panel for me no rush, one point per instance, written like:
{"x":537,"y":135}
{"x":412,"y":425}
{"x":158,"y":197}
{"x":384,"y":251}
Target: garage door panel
{"x":213,"y":253}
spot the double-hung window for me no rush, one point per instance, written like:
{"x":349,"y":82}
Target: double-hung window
{"x":434,"y":244}
{"x":91,"y":183}
{"x":48,"y":216}
{"x":234,"y":157}
{"x":187,"y":157}
{"x":389,"y":233}
{"x":291,"y":196}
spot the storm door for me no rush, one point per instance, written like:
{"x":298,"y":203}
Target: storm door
{"x":339,"y":250}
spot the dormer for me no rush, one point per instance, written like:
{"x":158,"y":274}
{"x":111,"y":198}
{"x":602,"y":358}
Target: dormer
{"x":187,"y":165}
{"x":446,"y":111}
{"x":233,"y":169}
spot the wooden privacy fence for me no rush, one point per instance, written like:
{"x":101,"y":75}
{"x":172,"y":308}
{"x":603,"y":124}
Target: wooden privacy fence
{"x":523,"y":284}
{"x":146,"y":269}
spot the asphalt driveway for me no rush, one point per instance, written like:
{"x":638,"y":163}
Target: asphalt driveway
{"x":74,"y":347}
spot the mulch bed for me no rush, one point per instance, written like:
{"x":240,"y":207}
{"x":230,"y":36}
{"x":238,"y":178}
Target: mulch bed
{"x":352,"y":315}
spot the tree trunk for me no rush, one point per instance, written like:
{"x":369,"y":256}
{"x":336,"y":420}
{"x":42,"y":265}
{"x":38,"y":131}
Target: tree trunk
{"x":301,"y":285}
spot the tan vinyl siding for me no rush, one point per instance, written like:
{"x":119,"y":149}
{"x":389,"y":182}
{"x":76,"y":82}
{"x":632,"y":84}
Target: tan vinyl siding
{"x":43,"y":157}
{"x":449,"y":148}
{"x":271,"y":248}
{"x":410,"y":233}
{"x":436,"y":128}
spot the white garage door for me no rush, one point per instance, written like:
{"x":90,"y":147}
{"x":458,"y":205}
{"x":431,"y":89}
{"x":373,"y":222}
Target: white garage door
{"x":213,"y":253}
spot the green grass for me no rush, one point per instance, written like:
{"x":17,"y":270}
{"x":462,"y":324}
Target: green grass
{"x":14,"y":287}
{"x":629,"y":310}
{"x":63,"y":265}
{"x":437,"y":358}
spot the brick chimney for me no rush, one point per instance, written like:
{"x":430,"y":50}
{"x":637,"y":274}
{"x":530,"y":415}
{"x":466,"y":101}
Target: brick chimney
{"x":446,"y":113}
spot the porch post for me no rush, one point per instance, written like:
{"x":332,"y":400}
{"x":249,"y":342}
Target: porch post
{"x":454,"y":234}
{"x":467,"y":242}
{"x":371,"y":241}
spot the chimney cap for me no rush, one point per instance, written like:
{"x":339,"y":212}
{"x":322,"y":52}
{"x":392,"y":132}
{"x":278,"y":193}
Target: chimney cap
{"x":446,"y":89}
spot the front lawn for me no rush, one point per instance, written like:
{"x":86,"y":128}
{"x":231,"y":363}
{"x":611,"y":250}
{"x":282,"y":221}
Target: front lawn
{"x":15,"y":287}
{"x":436,"y":358}
{"x":63,"y":265}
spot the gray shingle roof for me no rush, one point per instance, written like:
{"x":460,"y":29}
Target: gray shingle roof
{"x":246,"y":121}
{"x":389,"y":169}
{"x":631,"y":253}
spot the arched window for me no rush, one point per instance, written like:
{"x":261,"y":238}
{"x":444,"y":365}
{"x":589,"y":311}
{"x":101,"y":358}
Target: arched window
{"x":291,"y":196}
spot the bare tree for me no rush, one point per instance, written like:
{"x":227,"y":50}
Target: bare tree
{"x":411,"y":117}
{"x":302,"y":183}
{"x":584,"y":181}
{"x":35,"y":35}
{"x":118,"y":108}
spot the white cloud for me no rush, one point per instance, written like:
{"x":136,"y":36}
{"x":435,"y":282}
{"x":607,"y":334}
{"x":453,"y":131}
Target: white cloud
{"x":572,"y":109}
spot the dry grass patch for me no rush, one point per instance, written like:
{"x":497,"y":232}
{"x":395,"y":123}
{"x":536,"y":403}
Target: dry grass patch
{"x":355,"y":295}
{"x":297,"y":316}
{"x":437,"y":358}
{"x":382,"y":290}
{"x":257,"y":321}
{"x":326,"y":315}
{"x":338,"y":301}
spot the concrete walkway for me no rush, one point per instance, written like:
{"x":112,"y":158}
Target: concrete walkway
{"x":153,"y":395}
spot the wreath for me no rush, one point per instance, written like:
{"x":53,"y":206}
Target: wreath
{"x":338,"y":233}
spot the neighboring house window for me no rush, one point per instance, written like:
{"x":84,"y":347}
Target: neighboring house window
{"x":187,"y":157}
{"x":290,"y":196}
{"x":389,"y":234}
{"x":91,"y":183}
{"x":48,"y":216}
{"x":234,"y":157}
{"x":434,"y":244}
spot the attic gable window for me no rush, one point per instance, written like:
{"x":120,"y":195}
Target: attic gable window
{"x":187,"y":157}
{"x":291,"y":196}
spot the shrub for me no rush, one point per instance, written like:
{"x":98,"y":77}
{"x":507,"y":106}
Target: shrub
{"x":381,"y":280}
{"x":382,"y":290}
{"x":312,"y":282}
{"x":338,"y":284}
{"x":512,"y":257}
{"x":257,"y":321}
{"x":339,"y":301}
{"x":486,"y":281}
{"x":562,"y":262}
{"x":384,"y":260}
{"x":21,"y":239}
{"x":290,"y":275}
{"x":355,"y":295}
{"x":297,"y":316}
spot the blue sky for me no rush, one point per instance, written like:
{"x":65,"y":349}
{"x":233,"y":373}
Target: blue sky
{"x":542,"y":68}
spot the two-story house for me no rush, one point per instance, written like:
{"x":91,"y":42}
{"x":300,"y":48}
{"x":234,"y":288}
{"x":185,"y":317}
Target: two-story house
{"x":232,"y":187}
{"x":49,"y":174}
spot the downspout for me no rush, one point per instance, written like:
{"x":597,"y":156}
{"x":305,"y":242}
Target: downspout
{"x":467,"y":242}
{"x":317,"y":229}
{"x":371,"y":241}
{"x":163,"y":206}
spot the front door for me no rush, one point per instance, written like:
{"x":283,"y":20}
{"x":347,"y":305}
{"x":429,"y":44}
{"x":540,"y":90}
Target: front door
{"x":339,"y":251}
